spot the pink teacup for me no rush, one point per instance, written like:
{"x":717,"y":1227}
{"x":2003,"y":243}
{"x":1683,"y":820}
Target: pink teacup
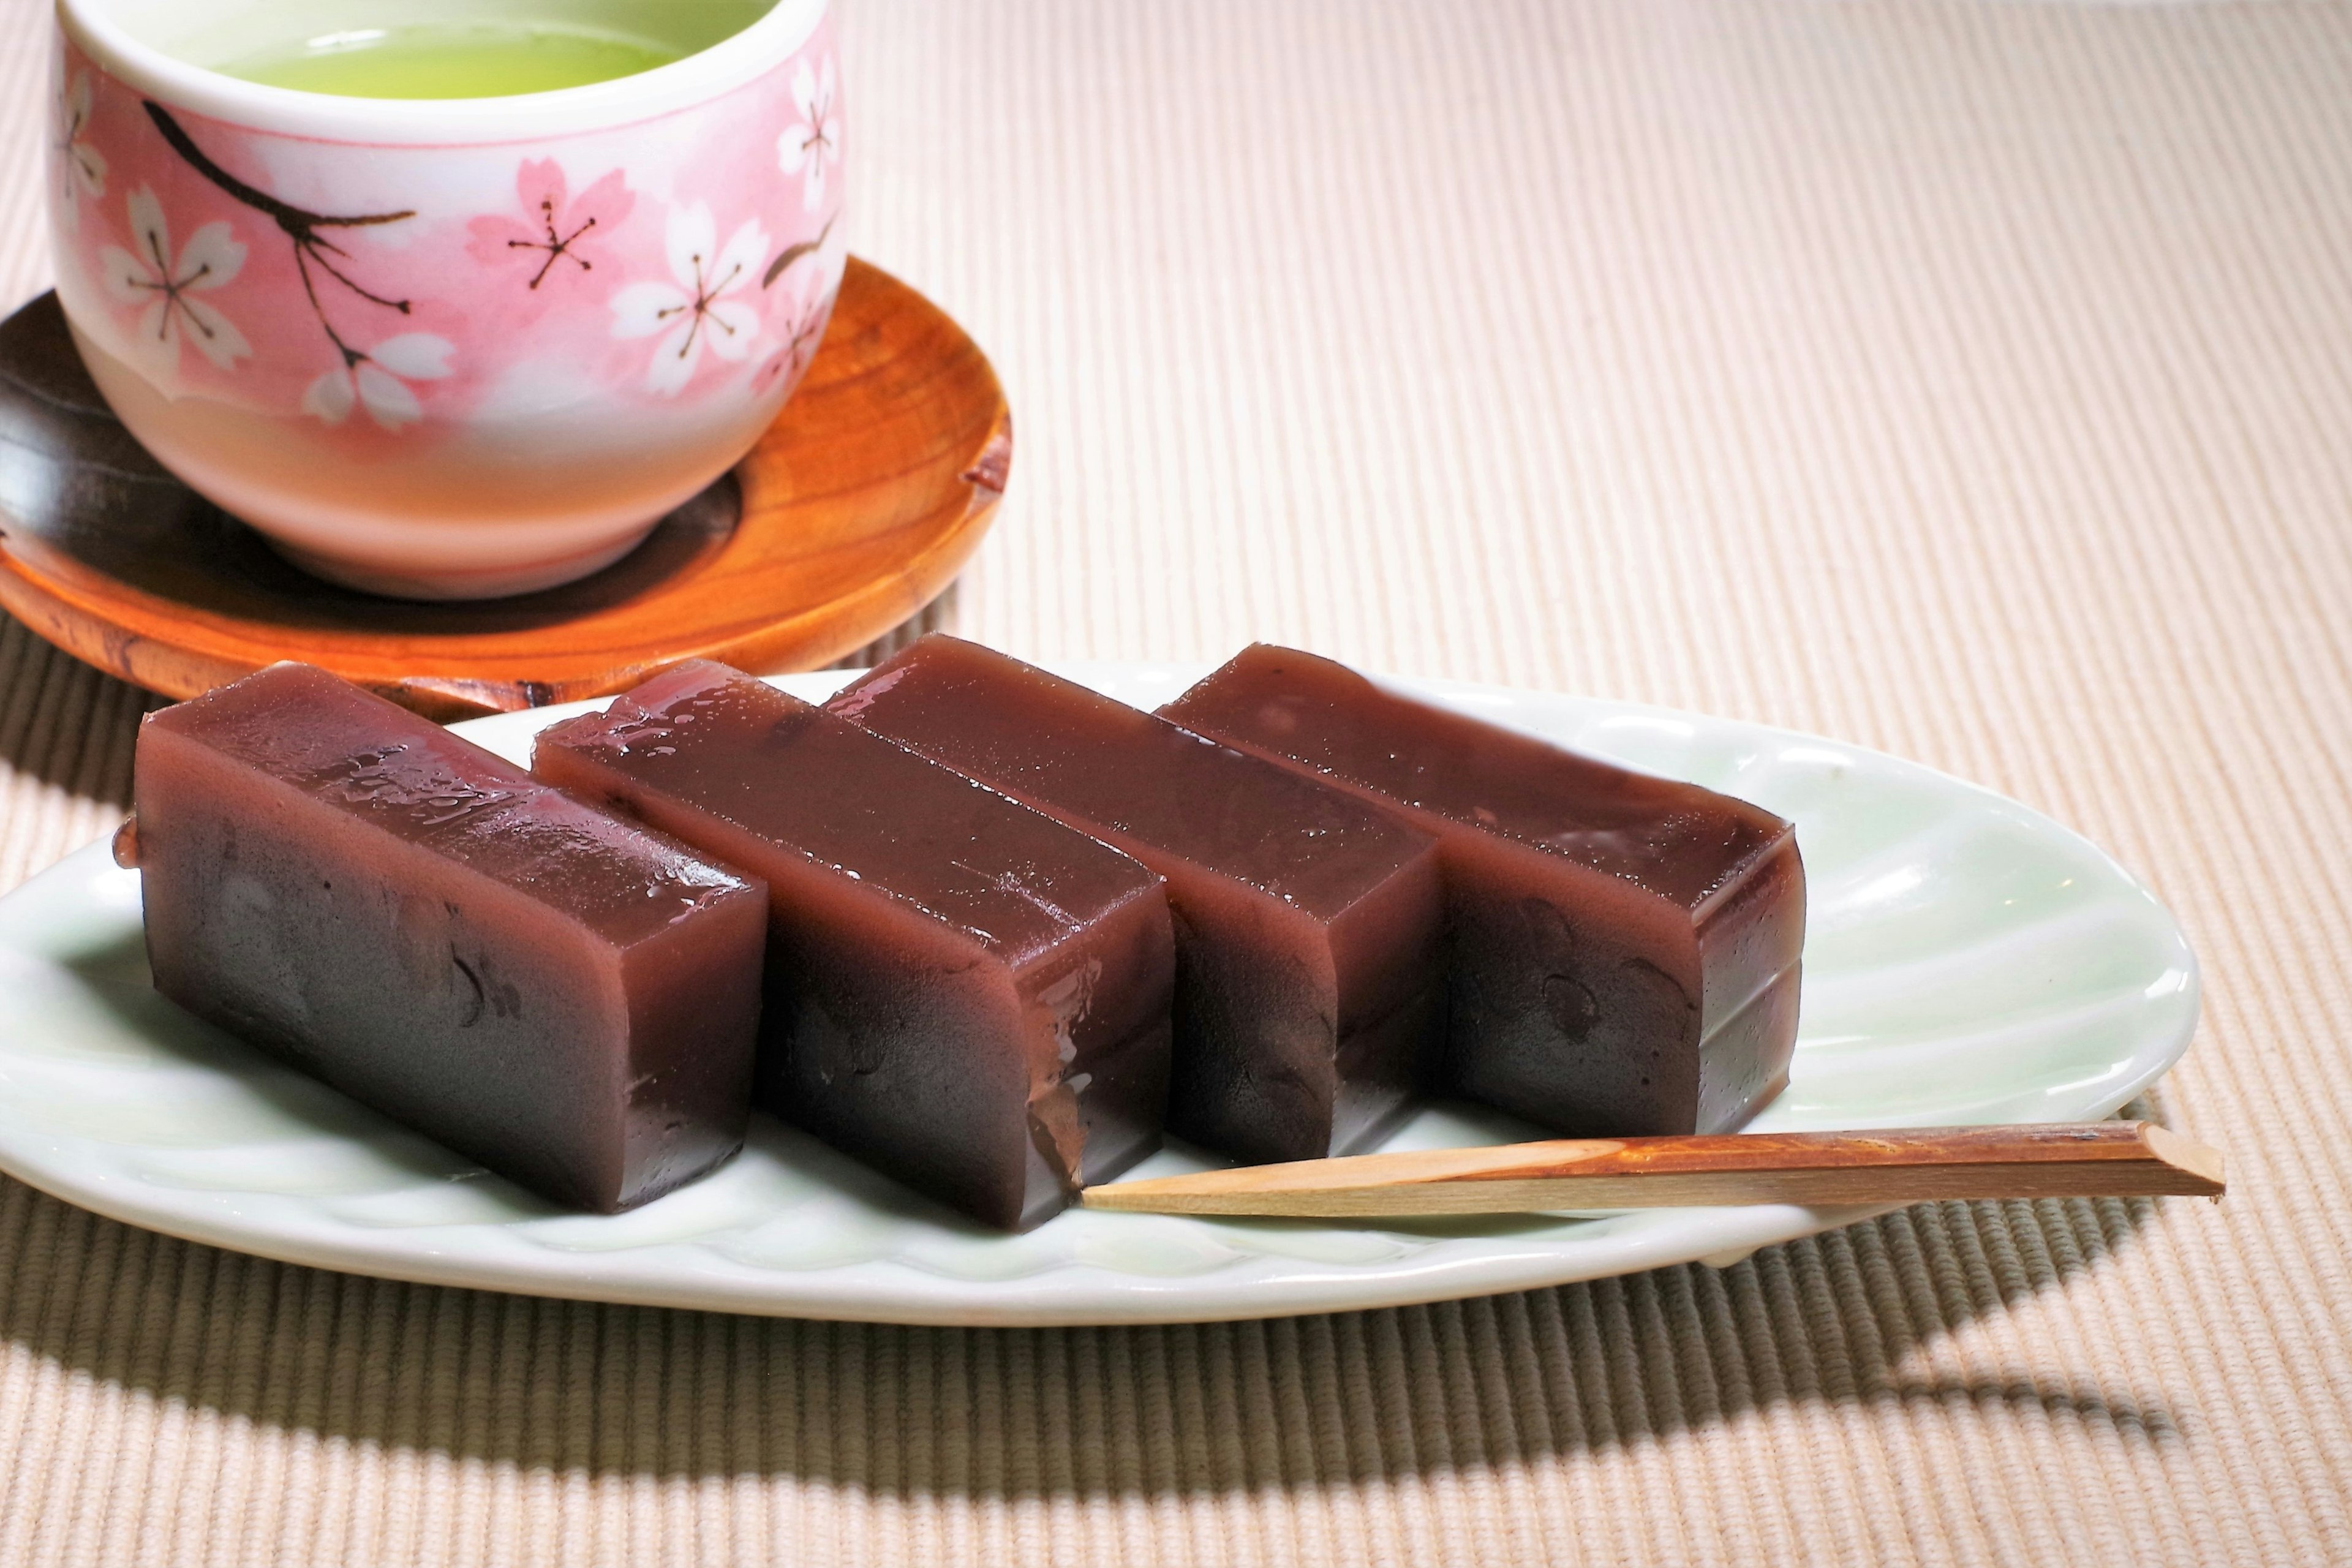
{"x":451,"y":348}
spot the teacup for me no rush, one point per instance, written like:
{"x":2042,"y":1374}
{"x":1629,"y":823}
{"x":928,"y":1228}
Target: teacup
{"x":444,"y":348}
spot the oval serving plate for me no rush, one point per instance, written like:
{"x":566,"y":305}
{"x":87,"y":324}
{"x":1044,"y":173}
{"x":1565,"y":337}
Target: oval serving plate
{"x":1968,"y":960}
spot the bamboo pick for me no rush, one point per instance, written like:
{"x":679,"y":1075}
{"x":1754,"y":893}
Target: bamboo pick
{"x":1905,"y":1165}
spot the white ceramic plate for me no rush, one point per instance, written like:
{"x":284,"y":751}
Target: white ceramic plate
{"x":1966,"y":960}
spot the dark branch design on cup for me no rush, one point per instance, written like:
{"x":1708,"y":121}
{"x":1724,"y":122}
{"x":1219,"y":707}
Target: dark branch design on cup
{"x":312,"y":249}
{"x":793,"y":253}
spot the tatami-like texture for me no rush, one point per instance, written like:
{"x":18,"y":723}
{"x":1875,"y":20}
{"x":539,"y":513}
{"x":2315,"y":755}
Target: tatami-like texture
{"x":1969,"y":379}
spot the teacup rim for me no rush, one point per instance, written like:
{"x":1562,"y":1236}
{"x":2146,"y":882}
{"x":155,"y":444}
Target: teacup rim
{"x":699,"y":78}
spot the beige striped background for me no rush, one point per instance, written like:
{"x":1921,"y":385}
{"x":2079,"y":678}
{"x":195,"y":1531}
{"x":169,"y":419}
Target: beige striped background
{"x":1972,"y":381}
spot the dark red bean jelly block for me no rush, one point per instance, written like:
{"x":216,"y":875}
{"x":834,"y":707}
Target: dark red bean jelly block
{"x":1308,"y":924}
{"x":962,"y":992}
{"x":546,"y":988}
{"x":1626,"y":947}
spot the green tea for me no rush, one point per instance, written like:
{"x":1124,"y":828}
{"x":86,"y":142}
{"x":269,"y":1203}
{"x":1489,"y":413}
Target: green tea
{"x":453,"y":60}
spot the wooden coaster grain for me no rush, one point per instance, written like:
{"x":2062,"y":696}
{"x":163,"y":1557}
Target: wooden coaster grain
{"x":854,"y":512}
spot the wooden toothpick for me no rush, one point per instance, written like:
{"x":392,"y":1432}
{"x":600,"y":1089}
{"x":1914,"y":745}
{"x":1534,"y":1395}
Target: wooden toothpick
{"x":2105,"y":1159}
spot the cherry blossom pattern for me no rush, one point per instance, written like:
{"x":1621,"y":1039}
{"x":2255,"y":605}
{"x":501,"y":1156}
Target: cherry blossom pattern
{"x":696,"y":311}
{"x":788,"y":363}
{"x":806,"y":147}
{"x":811,"y":294}
{"x":315,"y":254}
{"x":82,"y":168}
{"x":558,"y":239}
{"x":377,"y":380}
{"x":166,"y":288}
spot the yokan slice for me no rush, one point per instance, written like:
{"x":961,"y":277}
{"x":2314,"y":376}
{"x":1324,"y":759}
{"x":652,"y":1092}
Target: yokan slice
{"x":563,"y":996}
{"x":962,"y":992}
{"x":1626,"y":947}
{"x":1308,"y":923}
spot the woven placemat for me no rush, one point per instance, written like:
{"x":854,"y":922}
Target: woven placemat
{"x":1968,"y":381}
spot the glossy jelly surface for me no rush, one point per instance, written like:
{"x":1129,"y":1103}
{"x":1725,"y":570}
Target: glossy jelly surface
{"x":555,"y":992}
{"x":962,"y":992}
{"x":1624,"y":947}
{"x":1308,"y":922}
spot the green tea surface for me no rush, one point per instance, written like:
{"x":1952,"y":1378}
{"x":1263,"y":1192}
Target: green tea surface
{"x":452,"y":60}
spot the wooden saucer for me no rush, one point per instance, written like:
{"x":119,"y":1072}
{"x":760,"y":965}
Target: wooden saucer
{"x":853,"y":512}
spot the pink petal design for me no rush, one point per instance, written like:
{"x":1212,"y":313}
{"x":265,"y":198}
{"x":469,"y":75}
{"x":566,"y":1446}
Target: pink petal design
{"x":557,"y":232}
{"x":609,"y":201}
{"x":536,"y":181}
{"x":541,"y":184}
{"x":492,"y":234}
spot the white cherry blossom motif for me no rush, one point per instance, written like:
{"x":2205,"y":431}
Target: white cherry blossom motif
{"x":806,"y":147}
{"x":82,"y":168}
{"x":378,"y":381}
{"x":167,"y":288}
{"x":696,"y":311}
